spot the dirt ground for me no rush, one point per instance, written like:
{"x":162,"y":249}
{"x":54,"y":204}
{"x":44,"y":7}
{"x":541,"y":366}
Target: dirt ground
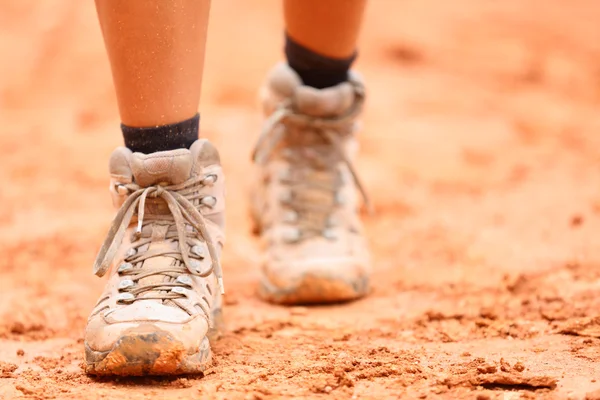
{"x":481,"y":151}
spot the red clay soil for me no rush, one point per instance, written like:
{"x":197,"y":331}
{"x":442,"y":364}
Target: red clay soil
{"x":481,"y":151}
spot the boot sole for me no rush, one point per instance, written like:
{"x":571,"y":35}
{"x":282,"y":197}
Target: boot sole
{"x":148,"y":350}
{"x":315,"y":290}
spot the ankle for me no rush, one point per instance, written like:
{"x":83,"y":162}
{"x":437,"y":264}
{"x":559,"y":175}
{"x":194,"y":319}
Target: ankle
{"x":179,"y":135}
{"x":314,"y":69}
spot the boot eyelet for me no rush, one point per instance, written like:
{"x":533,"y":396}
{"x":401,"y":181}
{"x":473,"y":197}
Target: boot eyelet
{"x":198,"y":251}
{"x":290,"y":216}
{"x":124,"y":267}
{"x":179,"y":290}
{"x":285,"y":197}
{"x":126,"y":284}
{"x":340,"y":199}
{"x":131,"y":252}
{"x":208,"y":201}
{"x":196,"y":266}
{"x":121,"y":189}
{"x":329,"y":234}
{"x":125,"y":298}
{"x":284,"y":175}
{"x":184,"y":280}
{"x":292,"y":235}
{"x":209,"y":180}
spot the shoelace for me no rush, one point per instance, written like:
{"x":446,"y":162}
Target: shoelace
{"x":327,"y":128}
{"x":179,"y":201}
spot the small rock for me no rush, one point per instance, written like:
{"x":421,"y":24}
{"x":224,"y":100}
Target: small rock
{"x":576,"y":220}
{"x":519,"y":367}
{"x":487,"y":369}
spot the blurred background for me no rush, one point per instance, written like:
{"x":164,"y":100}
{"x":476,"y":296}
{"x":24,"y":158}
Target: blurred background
{"x":481,"y":150}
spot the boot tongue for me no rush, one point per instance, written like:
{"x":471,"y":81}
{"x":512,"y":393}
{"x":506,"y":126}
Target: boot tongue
{"x":158,"y":243}
{"x":171,"y":167}
{"x":168,"y":167}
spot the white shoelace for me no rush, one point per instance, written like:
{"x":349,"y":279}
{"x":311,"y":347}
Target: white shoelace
{"x":179,"y":201}
{"x":328,"y":129}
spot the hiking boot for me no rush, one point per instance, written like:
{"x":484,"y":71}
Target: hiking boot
{"x":305,"y":202}
{"x":162,"y":300}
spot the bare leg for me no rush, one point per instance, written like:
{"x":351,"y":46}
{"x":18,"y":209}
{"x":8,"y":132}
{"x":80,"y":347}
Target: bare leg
{"x":329,"y":27}
{"x":156,"y":51}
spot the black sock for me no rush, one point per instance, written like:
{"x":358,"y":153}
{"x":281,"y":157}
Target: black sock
{"x":180,"y":135}
{"x":315,"y":69}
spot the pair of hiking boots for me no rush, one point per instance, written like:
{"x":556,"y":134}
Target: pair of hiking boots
{"x":163,"y":299}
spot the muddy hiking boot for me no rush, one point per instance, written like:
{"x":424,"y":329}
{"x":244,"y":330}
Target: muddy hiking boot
{"x":162,"y":300}
{"x":305,"y":203}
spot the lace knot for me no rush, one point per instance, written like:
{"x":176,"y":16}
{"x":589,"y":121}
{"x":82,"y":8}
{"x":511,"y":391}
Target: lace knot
{"x":159,"y":191}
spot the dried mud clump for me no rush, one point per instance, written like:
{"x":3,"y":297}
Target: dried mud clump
{"x":7,"y":369}
{"x":480,"y":373}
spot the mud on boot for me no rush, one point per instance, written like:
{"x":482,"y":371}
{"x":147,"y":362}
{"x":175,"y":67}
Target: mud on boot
{"x":305,"y":201}
{"x":162,"y":300}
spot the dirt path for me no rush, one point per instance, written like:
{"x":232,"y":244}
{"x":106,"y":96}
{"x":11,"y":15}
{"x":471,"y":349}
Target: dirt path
{"x":481,"y":151}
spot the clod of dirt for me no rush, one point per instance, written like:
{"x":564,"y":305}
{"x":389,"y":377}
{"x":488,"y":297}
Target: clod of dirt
{"x":508,"y":382}
{"x":519,"y":367}
{"x":30,"y":330}
{"x":488,"y":313}
{"x":576,"y":220}
{"x":486,"y":375}
{"x":25,"y":390}
{"x":6,"y":369}
{"x":582,"y":327}
{"x":343,"y":337}
{"x":20,"y":352}
{"x":487,"y":369}
{"x":523,"y":283}
{"x":47,"y":363}
{"x":340,"y":379}
{"x":343,"y":378}
{"x":182,"y":383}
{"x":434,"y":315}
{"x":406,"y":54}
